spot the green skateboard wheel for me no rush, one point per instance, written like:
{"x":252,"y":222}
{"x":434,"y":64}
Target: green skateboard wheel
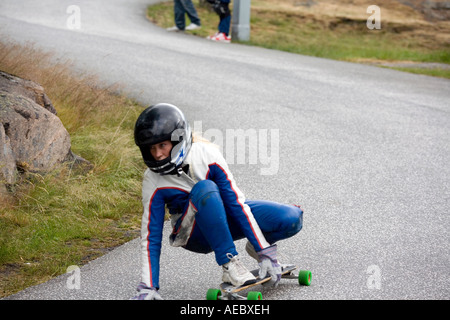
{"x":254,"y":295}
{"x":304,"y":277}
{"x":213,"y":294}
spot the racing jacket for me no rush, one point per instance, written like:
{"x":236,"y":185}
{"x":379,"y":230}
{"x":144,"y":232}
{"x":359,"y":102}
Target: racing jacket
{"x":205,"y":162}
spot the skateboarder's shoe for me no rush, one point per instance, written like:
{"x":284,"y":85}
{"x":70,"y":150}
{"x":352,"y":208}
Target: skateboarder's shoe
{"x":220,"y":37}
{"x":236,"y":273}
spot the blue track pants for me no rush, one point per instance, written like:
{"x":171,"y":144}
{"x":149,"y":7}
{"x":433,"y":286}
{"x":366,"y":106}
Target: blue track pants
{"x":215,"y":229}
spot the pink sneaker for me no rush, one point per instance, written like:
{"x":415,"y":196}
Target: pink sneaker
{"x":220,"y":36}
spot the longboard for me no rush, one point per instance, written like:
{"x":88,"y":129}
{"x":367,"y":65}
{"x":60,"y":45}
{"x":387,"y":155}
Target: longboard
{"x":229,"y":292}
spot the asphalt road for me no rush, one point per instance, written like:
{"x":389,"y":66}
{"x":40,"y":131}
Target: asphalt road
{"x":365,"y":151}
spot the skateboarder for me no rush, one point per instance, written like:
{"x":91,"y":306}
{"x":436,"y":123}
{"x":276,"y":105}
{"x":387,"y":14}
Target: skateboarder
{"x":207,"y":209}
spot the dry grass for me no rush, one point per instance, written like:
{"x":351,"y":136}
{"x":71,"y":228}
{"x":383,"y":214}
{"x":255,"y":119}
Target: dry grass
{"x":67,"y":217}
{"x":396,"y":17}
{"x":78,"y":97}
{"x":336,"y":30}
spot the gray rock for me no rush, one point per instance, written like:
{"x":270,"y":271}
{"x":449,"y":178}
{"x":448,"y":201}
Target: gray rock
{"x":25,"y":88}
{"x":7,"y":160}
{"x":32,"y":137}
{"x":38,"y":139}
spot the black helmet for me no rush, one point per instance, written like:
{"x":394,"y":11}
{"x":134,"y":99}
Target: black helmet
{"x":159,"y":123}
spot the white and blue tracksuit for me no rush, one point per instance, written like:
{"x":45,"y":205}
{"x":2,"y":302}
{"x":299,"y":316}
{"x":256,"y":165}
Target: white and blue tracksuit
{"x":207,"y":215}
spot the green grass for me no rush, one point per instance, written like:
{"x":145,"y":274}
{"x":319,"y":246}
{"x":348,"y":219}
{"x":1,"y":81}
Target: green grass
{"x":429,"y":72}
{"x":70,"y":216}
{"x":322,"y":37}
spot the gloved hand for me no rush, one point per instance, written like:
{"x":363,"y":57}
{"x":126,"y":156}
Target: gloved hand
{"x":269,"y":264}
{"x":147,"y":293}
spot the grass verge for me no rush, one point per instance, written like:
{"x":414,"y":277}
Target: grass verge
{"x":334,"y":30}
{"x":67,"y":217}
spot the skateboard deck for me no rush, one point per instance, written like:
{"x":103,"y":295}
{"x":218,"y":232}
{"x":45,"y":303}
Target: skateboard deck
{"x":229,"y":292}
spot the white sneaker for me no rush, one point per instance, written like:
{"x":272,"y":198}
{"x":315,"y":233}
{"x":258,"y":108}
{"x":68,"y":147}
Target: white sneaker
{"x":174,"y":28}
{"x":193,"y":26}
{"x":236,"y":273}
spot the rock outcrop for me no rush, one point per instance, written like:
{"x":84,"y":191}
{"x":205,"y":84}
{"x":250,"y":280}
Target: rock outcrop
{"x":32,"y":137}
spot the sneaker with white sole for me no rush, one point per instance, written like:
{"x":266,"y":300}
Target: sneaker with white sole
{"x":236,"y":273}
{"x":220,"y":37}
{"x":174,"y":28}
{"x":210,"y":37}
{"x":193,"y":26}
